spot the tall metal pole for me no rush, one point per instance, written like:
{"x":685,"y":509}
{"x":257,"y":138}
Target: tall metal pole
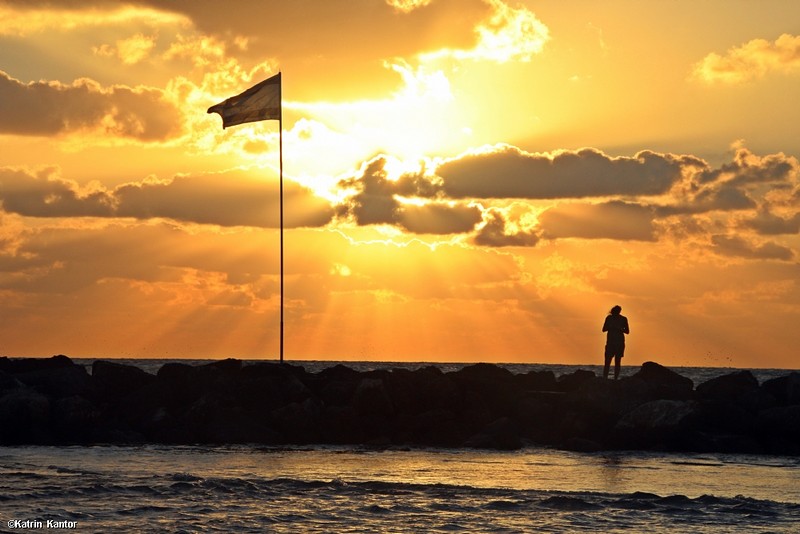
{"x":280,"y":144}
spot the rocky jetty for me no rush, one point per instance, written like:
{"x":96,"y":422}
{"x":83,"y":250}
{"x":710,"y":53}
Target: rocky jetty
{"x":55,"y":401}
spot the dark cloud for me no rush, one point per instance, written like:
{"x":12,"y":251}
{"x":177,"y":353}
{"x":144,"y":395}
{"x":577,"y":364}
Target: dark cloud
{"x":52,"y":108}
{"x":766,"y":223}
{"x":739,"y":247}
{"x":608,"y":220}
{"x":495,"y":233}
{"x":235,"y":198}
{"x":434,"y":218}
{"x":724,"y":196}
{"x":513,"y":173}
{"x":45,"y":195}
{"x":376,"y":203}
{"x":749,"y":169}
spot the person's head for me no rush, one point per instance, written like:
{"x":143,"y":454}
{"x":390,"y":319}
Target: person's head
{"x":616,"y":310}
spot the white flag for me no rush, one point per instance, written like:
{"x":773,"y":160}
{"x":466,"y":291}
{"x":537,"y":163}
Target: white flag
{"x":262,"y":102}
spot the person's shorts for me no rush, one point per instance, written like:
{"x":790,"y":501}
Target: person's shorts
{"x":615,"y":351}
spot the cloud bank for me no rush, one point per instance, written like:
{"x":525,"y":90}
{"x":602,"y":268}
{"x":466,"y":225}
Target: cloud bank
{"x":54,"y":108}
{"x":233,"y":198}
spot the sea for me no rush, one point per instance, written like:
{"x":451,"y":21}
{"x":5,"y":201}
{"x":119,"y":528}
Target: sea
{"x":323,"y":489}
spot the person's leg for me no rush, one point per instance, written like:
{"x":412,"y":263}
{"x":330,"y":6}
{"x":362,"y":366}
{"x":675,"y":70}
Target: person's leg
{"x":617,"y":361}
{"x":606,"y":366}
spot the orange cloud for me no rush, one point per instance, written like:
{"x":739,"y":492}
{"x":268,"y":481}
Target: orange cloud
{"x":233,"y":198}
{"x":27,"y":20}
{"x":130,"y":51}
{"x":750,"y":61}
{"x":508,"y":34}
{"x":608,"y":220}
{"x":52,"y":108}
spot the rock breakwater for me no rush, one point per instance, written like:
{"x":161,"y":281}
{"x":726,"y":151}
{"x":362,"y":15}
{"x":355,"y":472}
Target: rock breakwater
{"x":55,"y":401}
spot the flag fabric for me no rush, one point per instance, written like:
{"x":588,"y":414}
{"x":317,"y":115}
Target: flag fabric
{"x":262,"y":102}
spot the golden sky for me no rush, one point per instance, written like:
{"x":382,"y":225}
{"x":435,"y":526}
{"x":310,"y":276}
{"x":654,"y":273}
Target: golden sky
{"x":466,"y":180}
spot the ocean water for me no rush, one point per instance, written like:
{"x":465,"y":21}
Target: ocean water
{"x":157,"y":488}
{"x":324,"y":489}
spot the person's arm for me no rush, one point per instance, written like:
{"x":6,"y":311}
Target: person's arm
{"x":625,"y":327}
{"x":605,"y":325}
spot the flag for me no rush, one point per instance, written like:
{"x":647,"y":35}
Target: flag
{"x":262,"y":102}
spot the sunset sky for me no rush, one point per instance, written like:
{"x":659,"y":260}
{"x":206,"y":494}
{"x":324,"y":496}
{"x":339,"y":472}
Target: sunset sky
{"x":466,"y":180}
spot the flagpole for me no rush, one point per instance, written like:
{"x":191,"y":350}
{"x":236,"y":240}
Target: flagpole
{"x":280,"y":150}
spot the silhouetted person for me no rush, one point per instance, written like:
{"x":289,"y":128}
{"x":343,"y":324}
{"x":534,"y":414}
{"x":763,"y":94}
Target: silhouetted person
{"x":616,"y":326}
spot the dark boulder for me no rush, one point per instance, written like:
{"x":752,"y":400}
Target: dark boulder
{"x":502,"y":434}
{"x":537,"y":381}
{"x":481,"y":373}
{"x":7,"y":382}
{"x":421,"y":390}
{"x":664,"y":383}
{"x":657,"y":415}
{"x":659,"y":424}
{"x":438,"y":427}
{"x":27,"y":365}
{"x":608,"y":398}
{"x":57,"y":381}
{"x":487,"y":386}
{"x":337,"y":392}
{"x":24,"y":417}
{"x":372,"y":398}
{"x":785,"y":389}
{"x":781,"y":422}
{"x":340,"y":425}
{"x":266,"y":386}
{"x":730,"y":387}
{"x":574,"y":380}
{"x":297,"y":422}
{"x":111,"y":380}
{"x":75,"y":420}
{"x":339,"y":372}
{"x":538,"y":415}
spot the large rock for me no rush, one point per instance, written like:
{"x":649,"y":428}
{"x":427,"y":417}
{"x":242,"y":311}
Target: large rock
{"x":730,"y":387}
{"x":75,"y":420}
{"x":8,"y":381}
{"x":26,"y":365}
{"x":574,"y":380}
{"x":660,"y":424}
{"x":721,"y":417}
{"x":608,"y":398}
{"x":782,"y":422}
{"x":372,"y":398}
{"x":266,"y":386}
{"x":487,"y":386}
{"x":298,"y":421}
{"x":658,"y":414}
{"x":57,"y":381}
{"x":421,"y":390}
{"x":537,"y":381}
{"x":502,"y":434}
{"x":115,"y":380}
{"x":785,"y":389}
{"x":538,"y":415}
{"x":664,"y":383}
{"x":24,"y":417}
{"x":438,"y":427}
